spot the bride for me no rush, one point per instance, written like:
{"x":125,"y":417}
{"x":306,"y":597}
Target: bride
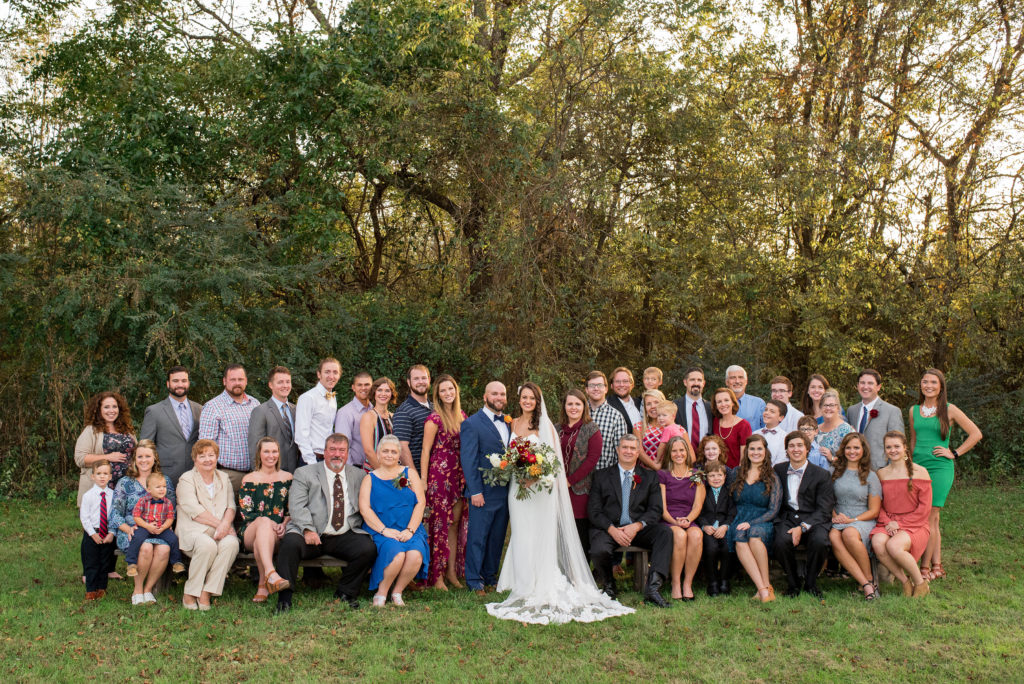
{"x":545,"y":568}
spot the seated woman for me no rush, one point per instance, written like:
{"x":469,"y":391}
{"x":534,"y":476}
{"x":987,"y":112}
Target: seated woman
{"x":376,"y":422}
{"x":391,"y":502}
{"x":263,"y":503}
{"x":682,"y":498}
{"x":758,"y":495}
{"x":648,"y":430}
{"x":901,"y":535}
{"x":206,"y":509}
{"x":858,"y":500}
{"x":154,"y":554}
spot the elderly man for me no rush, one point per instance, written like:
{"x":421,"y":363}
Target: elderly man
{"x":625,"y":508}
{"x":324,"y":507}
{"x":751,"y":407}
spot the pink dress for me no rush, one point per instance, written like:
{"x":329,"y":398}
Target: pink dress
{"x":445,"y":487}
{"x":909,"y":509}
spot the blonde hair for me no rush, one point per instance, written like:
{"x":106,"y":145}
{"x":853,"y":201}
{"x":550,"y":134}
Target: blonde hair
{"x":668,"y":406}
{"x":657,"y":394}
{"x":133,"y":468}
{"x":655,"y":371}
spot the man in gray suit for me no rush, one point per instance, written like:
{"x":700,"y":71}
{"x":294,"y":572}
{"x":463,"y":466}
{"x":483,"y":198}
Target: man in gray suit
{"x":173,"y":424}
{"x":325,"y":521}
{"x":873,"y":417}
{"x":276,"y":418}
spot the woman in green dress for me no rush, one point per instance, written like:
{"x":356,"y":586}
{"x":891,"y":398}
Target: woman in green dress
{"x":263,"y":504}
{"x":931,"y":423}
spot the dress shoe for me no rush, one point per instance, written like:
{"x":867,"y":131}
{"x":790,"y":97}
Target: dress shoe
{"x":352,"y":601}
{"x":491,"y":588}
{"x":792,"y":592}
{"x":713,"y":589}
{"x":815,"y":592}
{"x":282,"y":607}
{"x":91,"y":596}
{"x":724,"y":587}
{"x":652,"y":592}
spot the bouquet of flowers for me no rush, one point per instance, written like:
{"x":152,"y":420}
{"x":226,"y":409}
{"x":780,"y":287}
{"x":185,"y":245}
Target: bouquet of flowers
{"x":532,"y":465}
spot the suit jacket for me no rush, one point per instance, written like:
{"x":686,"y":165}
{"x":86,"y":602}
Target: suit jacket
{"x":311,"y":498}
{"x":816,"y":497}
{"x":888,"y":418}
{"x":683,"y":416}
{"x":479,"y":437}
{"x":605,"y":503}
{"x":616,"y":403}
{"x":161,"y":425}
{"x":266,"y":421}
{"x":724,"y":511}
{"x":193,"y":499}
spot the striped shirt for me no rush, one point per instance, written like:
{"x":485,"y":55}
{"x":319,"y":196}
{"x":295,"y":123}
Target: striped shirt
{"x":612,"y":426}
{"x":154,"y":511}
{"x":407,"y":424}
{"x":226,"y":422}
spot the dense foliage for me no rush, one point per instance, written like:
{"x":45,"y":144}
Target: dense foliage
{"x":506,"y":188}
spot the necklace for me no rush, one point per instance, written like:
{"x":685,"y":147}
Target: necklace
{"x":672,"y":472}
{"x":928,"y":411}
{"x":721,"y":430}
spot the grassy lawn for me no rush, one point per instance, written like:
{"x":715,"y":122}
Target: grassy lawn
{"x":970,"y":628}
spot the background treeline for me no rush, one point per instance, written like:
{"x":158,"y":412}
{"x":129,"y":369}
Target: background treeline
{"x":506,"y":188}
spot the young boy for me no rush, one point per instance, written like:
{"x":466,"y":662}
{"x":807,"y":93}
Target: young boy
{"x":809,"y":426}
{"x":652,"y":378}
{"x":97,"y":537}
{"x":154,"y":515}
{"x":774,"y":412}
{"x":718,"y":513}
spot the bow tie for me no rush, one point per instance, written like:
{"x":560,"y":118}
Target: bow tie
{"x":499,"y":418}
{"x":794,"y":471}
{"x":330,"y":395}
{"x":770,"y":432}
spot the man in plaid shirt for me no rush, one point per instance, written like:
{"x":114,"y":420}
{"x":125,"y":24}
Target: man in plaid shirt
{"x":609,"y":422}
{"x":225,"y":420}
{"x":154,"y":515}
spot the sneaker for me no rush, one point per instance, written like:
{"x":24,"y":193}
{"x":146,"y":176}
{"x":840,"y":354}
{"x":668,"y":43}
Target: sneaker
{"x":133,"y":570}
{"x":178,"y":568}
{"x":148,"y":598}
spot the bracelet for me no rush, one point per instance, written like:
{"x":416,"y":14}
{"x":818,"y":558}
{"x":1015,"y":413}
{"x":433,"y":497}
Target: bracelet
{"x":955,"y":453}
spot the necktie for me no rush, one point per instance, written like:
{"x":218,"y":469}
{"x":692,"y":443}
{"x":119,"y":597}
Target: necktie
{"x":627,"y":481}
{"x":185,"y":420}
{"x":793,"y":471}
{"x":863,"y":418}
{"x":694,"y":427}
{"x":771,"y":431}
{"x":287,"y":418}
{"x":338,"y":516}
{"x":101,"y":530}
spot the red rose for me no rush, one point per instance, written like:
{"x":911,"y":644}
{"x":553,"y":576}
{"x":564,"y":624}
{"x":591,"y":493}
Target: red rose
{"x":636,"y":480}
{"x":874,"y":413}
{"x":531,"y":458}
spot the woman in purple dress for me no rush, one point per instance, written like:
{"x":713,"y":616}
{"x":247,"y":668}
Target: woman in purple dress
{"x":441,"y":470}
{"x":682,"y":498}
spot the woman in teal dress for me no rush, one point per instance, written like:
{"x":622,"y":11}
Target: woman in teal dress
{"x":758,"y":495}
{"x":931,"y":423}
{"x":391,"y":501}
{"x":263,"y":505}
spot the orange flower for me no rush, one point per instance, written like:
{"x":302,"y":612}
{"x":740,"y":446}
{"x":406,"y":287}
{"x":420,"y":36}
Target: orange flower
{"x":503,"y":464}
{"x":535,"y":470}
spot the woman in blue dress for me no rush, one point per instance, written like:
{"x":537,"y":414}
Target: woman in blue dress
{"x":758,"y":495}
{"x":391,"y":501}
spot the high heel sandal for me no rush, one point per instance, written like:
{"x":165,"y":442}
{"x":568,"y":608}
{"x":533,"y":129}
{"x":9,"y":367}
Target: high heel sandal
{"x":871,"y":595}
{"x":279,"y":585}
{"x":937,"y":572}
{"x":397,"y":599}
{"x":261,"y":597}
{"x":926,"y":572}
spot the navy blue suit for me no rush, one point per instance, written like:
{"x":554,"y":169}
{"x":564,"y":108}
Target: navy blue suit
{"x":485,"y":539}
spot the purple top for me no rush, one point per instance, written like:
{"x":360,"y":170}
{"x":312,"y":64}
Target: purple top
{"x":679,"y":495}
{"x":346,"y":422}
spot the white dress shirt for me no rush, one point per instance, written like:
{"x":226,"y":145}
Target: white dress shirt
{"x":350,"y":506}
{"x":503,"y":428}
{"x":705,"y":420}
{"x":865,"y":411}
{"x":314,"y":421}
{"x":89,"y":513}
{"x":631,"y":410}
{"x":793,"y":416}
{"x":278,"y":404}
{"x":793,"y":481}
{"x":776,"y":438}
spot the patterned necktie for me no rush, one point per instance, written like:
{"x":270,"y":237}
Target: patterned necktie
{"x":627,"y":480}
{"x":338,"y":516}
{"x":184,"y":420}
{"x":863,"y":418}
{"x":287,"y":418}
{"x":695,"y":427}
{"x":101,"y":530}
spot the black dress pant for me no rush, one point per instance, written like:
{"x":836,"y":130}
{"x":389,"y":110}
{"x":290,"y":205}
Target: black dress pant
{"x":358,"y":550}
{"x":716,"y":558}
{"x":96,"y":562}
{"x":815,"y":540}
{"x":656,"y":537}
{"x":583,"y":530}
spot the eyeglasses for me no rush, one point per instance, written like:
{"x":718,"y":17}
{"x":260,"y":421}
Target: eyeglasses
{"x":830,"y":406}
{"x":595,"y":385}
{"x":808,"y":429}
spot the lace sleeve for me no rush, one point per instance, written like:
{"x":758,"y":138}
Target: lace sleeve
{"x":774,"y":502}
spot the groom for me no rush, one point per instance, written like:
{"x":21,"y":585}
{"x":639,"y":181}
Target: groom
{"x":485,"y":432}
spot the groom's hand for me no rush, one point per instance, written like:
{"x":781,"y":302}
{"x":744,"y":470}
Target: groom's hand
{"x":477,"y":500}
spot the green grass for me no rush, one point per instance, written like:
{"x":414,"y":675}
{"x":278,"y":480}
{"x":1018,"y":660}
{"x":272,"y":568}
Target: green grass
{"x":970,"y":628}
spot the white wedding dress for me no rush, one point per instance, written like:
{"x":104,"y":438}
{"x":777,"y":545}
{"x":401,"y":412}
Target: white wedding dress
{"x":545,"y":569}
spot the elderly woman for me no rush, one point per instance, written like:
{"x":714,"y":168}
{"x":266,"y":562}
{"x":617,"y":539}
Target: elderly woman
{"x":206,"y":509}
{"x":858,"y":499}
{"x":832,"y":428}
{"x":263,"y":504}
{"x":108,"y":436}
{"x":155,"y":552}
{"x":391,"y":501}
{"x":376,"y":422}
{"x":581,"y":450}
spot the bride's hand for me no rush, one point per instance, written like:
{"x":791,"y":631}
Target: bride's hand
{"x":526,"y":484}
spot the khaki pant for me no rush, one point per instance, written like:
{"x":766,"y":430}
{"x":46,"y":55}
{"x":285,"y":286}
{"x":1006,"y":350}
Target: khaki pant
{"x":211,"y":561}
{"x":235,"y":476}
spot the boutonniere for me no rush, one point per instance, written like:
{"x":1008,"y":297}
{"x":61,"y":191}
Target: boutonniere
{"x":697,"y":476}
{"x":508,"y":419}
{"x":636,"y":480}
{"x":873,"y":413}
{"x":400,"y":482}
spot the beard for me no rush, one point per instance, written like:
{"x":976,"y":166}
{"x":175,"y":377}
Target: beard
{"x":493,"y":407}
{"x":179,"y":392}
{"x":237,"y":391}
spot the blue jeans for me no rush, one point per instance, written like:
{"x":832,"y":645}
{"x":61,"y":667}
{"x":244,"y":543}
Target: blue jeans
{"x":139,"y":537}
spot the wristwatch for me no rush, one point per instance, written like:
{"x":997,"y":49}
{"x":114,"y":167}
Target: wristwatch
{"x":804,"y":526}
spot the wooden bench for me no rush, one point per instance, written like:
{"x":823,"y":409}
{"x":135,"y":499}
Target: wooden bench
{"x":641,"y":564}
{"x":247,"y":560}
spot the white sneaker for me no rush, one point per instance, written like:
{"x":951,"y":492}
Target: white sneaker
{"x":138,"y":598}
{"x":148,"y":598}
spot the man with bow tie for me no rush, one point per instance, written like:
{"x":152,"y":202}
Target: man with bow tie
{"x":804,"y":518}
{"x":773,"y":433}
{"x":315,"y":412}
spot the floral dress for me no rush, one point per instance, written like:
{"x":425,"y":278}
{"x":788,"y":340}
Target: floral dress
{"x":116,"y":442}
{"x":126,"y":494}
{"x":262,"y":499}
{"x":446,"y":485}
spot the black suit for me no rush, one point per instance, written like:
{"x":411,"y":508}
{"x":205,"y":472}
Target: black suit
{"x":605,"y":508}
{"x":716,"y":557}
{"x":616,"y":403}
{"x":683,"y":416}
{"x":816,"y":500}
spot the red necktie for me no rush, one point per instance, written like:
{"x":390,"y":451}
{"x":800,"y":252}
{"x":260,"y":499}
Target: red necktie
{"x":102,"y":529}
{"x":695,"y":428}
